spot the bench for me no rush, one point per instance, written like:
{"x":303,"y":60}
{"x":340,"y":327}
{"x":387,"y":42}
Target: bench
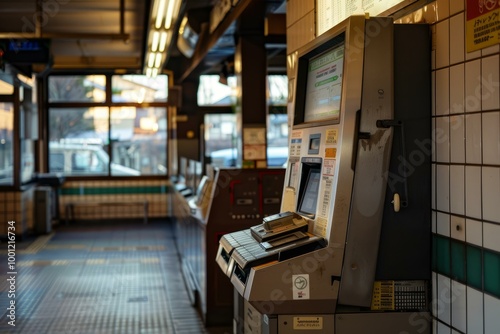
{"x":70,"y":207}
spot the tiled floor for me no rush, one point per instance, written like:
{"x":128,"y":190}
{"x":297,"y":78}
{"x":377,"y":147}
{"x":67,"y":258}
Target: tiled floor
{"x":93,"y":279}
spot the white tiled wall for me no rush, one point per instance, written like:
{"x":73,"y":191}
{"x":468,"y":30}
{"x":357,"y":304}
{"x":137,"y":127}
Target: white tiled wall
{"x":474,"y":311}
{"x":466,"y":180}
{"x":466,"y":162}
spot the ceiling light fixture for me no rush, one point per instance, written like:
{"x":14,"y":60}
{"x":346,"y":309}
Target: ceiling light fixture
{"x":172,"y":8}
{"x":163,"y":41}
{"x":162,"y":20}
{"x":159,"y":14}
{"x":151,"y":60}
{"x":158,"y":60}
{"x":156,"y":40}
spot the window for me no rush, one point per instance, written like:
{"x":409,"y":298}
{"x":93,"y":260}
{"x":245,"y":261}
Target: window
{"x":6,"y":85}
{"x":77,"y":88}
{"x":220,"y":131}
{"x":56,"y":162}
{"x":125,"y":135}
{"x":139,"y":88}
{"x":220,"y":139}
{"x":6,"y":143}
{"x":212,"y":93}
{"x":139,"y":139}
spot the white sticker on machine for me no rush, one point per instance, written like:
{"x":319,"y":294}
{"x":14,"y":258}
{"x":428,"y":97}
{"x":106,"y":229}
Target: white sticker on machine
{"x":307,"y":323}
{"x":300,"y":286}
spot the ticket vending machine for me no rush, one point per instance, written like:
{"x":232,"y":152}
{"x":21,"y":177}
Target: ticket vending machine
{"x":350,"y":250}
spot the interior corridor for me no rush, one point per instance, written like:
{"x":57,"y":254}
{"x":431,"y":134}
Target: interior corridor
{"x":98,"y":278}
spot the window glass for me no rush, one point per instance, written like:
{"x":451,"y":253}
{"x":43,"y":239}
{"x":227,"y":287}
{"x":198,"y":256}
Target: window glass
{"x":278,"y":89}
{"x":211,"y":92}
{"x":220,"y":132}
{"x":6,"y":86}
{"x":220,"y":142}
{"x":138,"y":137}
{"x":79,"y":125}
{"x":27,"y":160}
{"x":139,"y":88}
{"x":6,"y":143}
{"x":77,"y":88}
{"x":220,"y":139}
{"x":120,"y":138}
{"x":56,"y":162}
{"x":87,"y":161}
{"x":79,"y":140}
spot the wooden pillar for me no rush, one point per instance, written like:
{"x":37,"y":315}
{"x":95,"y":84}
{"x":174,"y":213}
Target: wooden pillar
{"x":250,"y":68}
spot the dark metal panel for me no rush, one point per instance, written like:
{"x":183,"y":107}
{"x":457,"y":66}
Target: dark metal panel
{"x":383,"y":323}
{"x":404,"y":251}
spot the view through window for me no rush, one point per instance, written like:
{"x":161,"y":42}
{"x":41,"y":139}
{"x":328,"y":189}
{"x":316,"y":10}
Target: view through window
{"x":220,"y":131}
{"x":6,"y":143}
{"x":93,"y":134}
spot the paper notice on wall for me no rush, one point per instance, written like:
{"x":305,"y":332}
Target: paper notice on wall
{"x":483,"y":24}
{"x":329,"y":13}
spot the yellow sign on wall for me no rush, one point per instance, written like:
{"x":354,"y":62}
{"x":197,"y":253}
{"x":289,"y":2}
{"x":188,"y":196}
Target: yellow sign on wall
{"x":483,"y":24}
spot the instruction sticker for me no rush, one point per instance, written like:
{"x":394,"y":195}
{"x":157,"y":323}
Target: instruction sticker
{"x":383,"y":295}
{"x":329,"y":167}
{"x":307,"y":323}
{"x":331,"y":137}
{"x":295,"y":143}
{"x":320,"y":226}
{"x":300,"y":286}
{"x":324,"y":202}
{"x":330,"y":152}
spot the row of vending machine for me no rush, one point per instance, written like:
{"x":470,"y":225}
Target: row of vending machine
{"x":339,"y":241}
{"x":225,"y":200}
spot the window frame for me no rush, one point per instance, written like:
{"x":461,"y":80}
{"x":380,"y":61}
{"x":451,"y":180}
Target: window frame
{"x":109,"y":104}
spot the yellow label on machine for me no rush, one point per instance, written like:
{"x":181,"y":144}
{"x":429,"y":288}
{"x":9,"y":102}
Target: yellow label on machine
{"x":307,"y":323}
{"x":383,"y":296}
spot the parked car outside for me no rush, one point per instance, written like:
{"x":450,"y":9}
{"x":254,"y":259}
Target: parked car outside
{"x":79,"y":160}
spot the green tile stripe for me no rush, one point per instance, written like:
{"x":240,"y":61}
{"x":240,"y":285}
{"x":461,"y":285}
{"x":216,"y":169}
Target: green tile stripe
{"x":492,"y":273}
{"x":116,"y":190}
{"x":458,"y":262}
{"x":474,"y":266}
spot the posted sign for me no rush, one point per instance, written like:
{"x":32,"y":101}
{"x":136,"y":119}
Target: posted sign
{"x":483,"y":24}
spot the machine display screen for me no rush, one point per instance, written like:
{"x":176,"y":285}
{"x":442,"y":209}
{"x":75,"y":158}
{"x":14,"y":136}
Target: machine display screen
{"x":324,"y":85}
{"x":310,"y":195}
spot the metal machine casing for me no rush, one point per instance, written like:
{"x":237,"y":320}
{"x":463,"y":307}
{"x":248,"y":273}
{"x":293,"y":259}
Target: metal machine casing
{"x":358,"y":184}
